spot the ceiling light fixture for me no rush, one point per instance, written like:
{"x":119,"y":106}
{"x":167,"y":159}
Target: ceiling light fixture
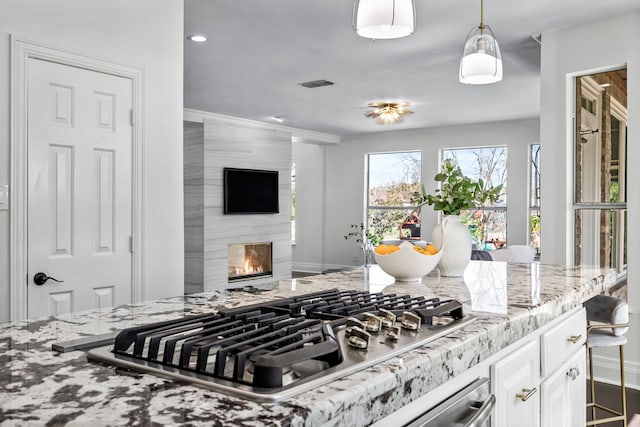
{"x":384,"y":19}
{"x":198,"y":38}
{"x":278,"y":119}
{"x":388,"y":113}
{"x":481,"y":61}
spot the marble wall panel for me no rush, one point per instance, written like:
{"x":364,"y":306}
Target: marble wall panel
{"x":229,"y":143}
{"x":193,"y":206}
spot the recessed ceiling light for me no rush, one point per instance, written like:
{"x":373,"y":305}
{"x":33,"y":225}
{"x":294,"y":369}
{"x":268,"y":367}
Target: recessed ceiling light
{"x":198,"y":38}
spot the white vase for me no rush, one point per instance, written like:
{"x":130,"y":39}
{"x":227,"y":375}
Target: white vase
{"x":455,"y":240}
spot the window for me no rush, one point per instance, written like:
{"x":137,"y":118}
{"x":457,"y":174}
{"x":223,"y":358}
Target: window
{"x":534,"y":197}
{"x":488,"y":224}
{"x":600,"y":202}
{"x":392,"y":180}
{"x":293,"y":201}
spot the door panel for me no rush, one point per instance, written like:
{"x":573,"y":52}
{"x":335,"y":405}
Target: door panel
{"x":61,"y":227}
{"x":79,"y":185}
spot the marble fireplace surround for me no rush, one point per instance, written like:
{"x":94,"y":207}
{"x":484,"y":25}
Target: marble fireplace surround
{"x":209,"y":146}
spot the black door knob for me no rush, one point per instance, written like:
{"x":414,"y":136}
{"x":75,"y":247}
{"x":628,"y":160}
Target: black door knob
{"x":41,"y":278}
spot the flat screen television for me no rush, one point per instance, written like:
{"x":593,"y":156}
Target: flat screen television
{"x":250,"y":191}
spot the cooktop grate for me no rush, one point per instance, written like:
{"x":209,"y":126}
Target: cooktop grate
{"x":262,"y":350}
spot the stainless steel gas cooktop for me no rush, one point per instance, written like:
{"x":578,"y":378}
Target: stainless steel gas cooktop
{"x":272,"y":351}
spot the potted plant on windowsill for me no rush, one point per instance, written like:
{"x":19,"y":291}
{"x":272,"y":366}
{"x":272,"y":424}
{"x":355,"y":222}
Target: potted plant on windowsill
{"x":456,"y":193}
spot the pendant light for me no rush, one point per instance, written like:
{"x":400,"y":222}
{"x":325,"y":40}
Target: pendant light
{"x":384,"y":19}
{"x":481,"y":61}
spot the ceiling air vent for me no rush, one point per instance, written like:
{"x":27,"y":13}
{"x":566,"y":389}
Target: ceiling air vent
{"x":316,"y":83}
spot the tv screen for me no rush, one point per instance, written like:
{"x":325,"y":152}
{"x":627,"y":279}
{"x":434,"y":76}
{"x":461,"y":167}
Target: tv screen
{"x":250,"y":191}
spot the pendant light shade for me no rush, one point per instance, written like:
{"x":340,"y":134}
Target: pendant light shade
{"x":481,"y":61}
{"x":384,"y":19}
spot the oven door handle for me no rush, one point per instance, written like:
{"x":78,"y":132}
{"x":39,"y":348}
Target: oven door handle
{"x":483,"y":414}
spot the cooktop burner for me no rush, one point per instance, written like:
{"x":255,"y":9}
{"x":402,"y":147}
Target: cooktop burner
{"x":274,"y":350}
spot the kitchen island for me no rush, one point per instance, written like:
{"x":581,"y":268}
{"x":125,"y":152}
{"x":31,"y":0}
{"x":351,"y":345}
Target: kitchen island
{"x":42,"y":387}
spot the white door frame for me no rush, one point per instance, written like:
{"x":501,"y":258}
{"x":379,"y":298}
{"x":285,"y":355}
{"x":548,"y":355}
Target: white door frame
{"x":23,"y":49}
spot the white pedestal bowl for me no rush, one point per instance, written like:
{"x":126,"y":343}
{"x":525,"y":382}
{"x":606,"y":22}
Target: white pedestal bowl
{"x":407,"y":265}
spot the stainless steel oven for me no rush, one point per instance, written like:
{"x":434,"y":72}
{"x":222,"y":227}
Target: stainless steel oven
{"x":470,"y":407}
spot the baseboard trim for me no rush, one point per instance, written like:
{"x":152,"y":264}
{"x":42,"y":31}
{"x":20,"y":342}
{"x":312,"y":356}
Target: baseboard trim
{"x":336,"y":267}
{"x":607,"y":370}
{"x":307,"y":267}
{"x":310,"y":267}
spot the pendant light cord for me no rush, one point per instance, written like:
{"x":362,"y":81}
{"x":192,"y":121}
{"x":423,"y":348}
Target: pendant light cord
{"x":393,"y":13}
{"x":481,"y":15}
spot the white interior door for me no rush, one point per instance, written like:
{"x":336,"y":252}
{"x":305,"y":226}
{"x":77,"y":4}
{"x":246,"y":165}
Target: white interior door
{"x":79,"y":184}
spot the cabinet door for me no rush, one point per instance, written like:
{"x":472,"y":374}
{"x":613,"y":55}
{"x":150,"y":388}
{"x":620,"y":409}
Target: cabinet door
{"x":514,"y":381}
{"x":563,"y":394}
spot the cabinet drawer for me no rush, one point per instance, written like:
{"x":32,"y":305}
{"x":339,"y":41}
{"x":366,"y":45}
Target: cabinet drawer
{"x":559,"y":343}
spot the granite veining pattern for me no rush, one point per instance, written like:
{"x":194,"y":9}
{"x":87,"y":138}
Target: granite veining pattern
{"x":42,"y":387}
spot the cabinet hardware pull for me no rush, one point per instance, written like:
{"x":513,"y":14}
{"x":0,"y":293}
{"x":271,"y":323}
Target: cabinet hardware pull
{"x":573,"y":373}
{"x":526,"y":393}
{"x":574,"y":338}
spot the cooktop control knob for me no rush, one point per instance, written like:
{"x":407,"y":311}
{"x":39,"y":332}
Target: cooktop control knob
{"x":393,"y":333}
{"x":410,"y":321}
{"x":352,"y":321}
{"x":372,"y":323}
{"x":357,"y":337}
{"x":388,"y":318}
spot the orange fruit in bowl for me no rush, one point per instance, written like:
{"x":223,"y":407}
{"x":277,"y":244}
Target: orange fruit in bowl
{"x":430,"y":249}
{"x":382,"y":250}
{"x":418,"y":249}
{"x":393,"y":248}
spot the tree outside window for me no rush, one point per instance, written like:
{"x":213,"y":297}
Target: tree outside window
{"x":488,"y":224}
{"x":392,"y":179}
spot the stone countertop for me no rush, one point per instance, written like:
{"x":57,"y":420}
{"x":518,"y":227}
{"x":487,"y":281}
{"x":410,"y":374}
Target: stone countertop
{"x":42,"y":387}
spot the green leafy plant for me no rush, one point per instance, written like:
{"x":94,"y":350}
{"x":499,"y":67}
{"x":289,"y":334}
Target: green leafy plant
{"x":367,"y":238}
{"x":373,"y":235}
{"x":359,"y":233}
{"x":457,"y":192}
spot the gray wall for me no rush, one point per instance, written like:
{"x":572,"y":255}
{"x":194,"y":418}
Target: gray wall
{"x":145,"y":34}
{"x":310,"y":193}
{"x":193,"y":207}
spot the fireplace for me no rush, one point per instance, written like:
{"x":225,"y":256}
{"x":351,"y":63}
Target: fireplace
{"x":249,"y":261}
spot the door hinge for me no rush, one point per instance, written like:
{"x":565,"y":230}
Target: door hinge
{"x":131,"y":244}
{"x":131,"y":117}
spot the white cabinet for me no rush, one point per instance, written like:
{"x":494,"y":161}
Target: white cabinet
{"x":515,"y":381}
{"x":563,"y":394}
{"x":560,"y":343}
{"x":543,"y":382}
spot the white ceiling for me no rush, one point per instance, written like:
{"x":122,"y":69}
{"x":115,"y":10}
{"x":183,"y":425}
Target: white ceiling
{"x":260,"y":50}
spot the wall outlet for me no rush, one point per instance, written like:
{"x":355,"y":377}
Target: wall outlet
{"x":4,"y":197}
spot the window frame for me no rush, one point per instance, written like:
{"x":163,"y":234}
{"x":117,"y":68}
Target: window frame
{"x":500,"y":208}
{"x":591,"y":89}
{"x":367,"y":202}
